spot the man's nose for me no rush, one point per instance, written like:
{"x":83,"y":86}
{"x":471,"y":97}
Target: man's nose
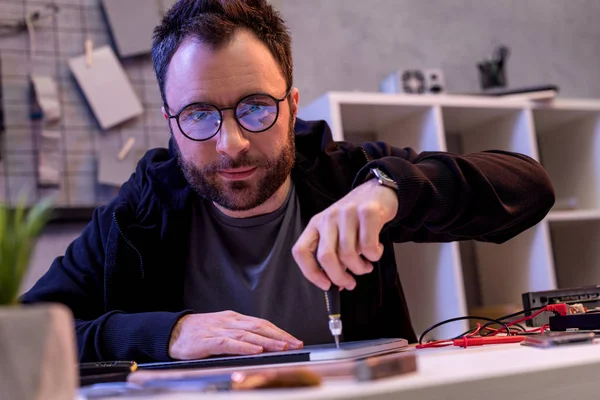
{"x":231,"y":139}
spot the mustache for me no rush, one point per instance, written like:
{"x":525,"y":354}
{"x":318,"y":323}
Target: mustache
{"x":226,"y":162}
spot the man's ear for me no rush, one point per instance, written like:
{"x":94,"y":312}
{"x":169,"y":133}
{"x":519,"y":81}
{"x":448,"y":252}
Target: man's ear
{"x":164,"y":113}
{"x":295,"y":96}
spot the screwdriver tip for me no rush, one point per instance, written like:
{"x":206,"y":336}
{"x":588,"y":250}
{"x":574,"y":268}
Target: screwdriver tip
{"x":337,"y":342}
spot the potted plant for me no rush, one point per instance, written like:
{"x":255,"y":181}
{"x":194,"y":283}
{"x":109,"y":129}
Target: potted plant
{"x":37,"y":344}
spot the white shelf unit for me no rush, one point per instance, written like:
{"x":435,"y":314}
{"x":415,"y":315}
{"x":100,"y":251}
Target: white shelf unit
{"x":445,"y":280}
{"x":569,"y":142}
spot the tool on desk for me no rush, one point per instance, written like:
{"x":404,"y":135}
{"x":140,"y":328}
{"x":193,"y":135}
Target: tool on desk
{"x":332,"y":301}
{"x":364,"y":369}
{"x":233,"y":381}
{"x":105,"y":371}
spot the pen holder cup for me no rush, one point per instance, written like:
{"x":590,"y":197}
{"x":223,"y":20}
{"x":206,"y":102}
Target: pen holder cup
{"x":492,"y":74}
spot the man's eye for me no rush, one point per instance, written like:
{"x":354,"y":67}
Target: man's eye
{"x":199,"y":116}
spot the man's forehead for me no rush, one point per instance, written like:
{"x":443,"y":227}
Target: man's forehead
{"x":243,"y":66}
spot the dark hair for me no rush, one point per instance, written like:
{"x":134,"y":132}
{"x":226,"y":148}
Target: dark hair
{"x":215,"y":22}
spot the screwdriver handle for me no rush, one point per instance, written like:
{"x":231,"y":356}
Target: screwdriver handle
{"x":332,"y":300}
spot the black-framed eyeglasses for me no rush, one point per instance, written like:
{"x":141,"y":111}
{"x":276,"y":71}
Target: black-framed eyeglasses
{"x":255,"y":113}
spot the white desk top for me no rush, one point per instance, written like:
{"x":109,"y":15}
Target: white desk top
{"x":490,"y":372}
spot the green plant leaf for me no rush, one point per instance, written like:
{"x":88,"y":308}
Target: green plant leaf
{"x":19,"y":229}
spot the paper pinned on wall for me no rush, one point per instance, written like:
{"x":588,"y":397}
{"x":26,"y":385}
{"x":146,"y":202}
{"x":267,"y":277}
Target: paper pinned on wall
{"x":131,"y":24}
{"x":115,"y":165}
{"x":106,"y":87}
{"x":46,"y":94}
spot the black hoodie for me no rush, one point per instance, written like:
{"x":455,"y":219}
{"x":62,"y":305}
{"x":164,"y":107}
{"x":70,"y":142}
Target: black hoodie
{"x":123,"y":277}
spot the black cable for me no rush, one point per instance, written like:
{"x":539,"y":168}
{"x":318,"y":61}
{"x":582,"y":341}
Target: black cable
{"x":521,"y":327}
{"x":462,"y":319}
{"x":516,"y":314}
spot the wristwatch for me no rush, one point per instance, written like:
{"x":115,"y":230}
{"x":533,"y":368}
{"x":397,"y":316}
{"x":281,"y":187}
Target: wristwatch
{"x":383,"y":179}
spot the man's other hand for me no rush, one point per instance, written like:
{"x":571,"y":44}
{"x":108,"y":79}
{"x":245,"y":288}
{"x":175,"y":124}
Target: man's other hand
{"x":202,"y":335}
{"x":345,"y":237}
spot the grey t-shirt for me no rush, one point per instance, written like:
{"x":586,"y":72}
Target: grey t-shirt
{"x":246,"y":265}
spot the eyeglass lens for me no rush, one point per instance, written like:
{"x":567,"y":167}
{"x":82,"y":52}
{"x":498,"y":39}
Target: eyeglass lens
{"x":255,"y":113}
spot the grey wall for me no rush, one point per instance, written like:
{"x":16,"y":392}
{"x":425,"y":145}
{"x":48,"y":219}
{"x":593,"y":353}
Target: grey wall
{"x":353,"y":44}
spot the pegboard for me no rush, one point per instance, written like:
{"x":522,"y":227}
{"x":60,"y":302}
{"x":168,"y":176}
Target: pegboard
{"x":60,"y":35}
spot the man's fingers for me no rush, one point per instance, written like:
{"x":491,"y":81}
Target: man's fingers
{"x":304,"y":253}
{"x":266,"y":329}
{"x":249,"y":337}
{"x":348,"y":246}
{"x":225,"y":345}
{"x":370,"y":227}
{"x":327,"y":253}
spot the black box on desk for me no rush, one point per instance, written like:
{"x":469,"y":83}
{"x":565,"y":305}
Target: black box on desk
{"x":589,"y":295}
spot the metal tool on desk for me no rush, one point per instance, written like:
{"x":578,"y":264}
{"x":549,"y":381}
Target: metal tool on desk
{"x":332,"y":301}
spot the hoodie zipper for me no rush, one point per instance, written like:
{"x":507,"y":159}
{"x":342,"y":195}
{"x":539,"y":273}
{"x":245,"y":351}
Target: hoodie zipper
{"x":379,"y":272}
{"x":129,"y":244}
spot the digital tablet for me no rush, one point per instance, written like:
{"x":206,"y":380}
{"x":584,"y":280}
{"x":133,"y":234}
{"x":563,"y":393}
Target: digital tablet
{"x":321,"y":352}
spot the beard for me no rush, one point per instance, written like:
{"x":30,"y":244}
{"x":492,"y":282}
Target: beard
{"x":241,"y":195}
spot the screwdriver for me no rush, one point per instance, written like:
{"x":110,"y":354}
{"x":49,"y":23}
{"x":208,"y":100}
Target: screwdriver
{"x":332,"y":301}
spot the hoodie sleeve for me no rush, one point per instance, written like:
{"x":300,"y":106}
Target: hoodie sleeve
{"x":488,"y":196}
{"x":77,"y":279}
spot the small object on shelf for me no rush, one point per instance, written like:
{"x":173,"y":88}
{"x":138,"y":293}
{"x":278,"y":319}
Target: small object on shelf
{"x":492,"y":72}
{"x":414,"y":81}
{"x":535,"y":92}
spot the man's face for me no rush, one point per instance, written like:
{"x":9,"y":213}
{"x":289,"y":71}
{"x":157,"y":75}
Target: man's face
{"x":237,"y":169}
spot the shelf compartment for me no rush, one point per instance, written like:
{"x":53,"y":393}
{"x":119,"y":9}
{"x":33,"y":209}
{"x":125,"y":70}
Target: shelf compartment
{"x":473,"y":129}
{"x":569,"y":143}
{"x":576,"y":252}
{"x":522,"y":264}
{"x":432,"y":282}
{"x":400,"y":125}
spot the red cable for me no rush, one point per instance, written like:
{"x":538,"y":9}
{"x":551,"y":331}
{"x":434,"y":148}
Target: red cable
{"x":480,"y":341}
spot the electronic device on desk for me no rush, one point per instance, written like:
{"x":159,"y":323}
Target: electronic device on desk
{"x":582,"y":322}
{"x":588,"y":295}
{"x":554,"y":339}
{"x":325,"y":352}
{"x":414,"y":81}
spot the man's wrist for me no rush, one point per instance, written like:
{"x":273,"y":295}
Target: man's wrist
{"x":382,"y":178}
{"x":386,"y":196}
{"x":173,"y":353}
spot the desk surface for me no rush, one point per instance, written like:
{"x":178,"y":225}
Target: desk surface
{"x":491,"y":372}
